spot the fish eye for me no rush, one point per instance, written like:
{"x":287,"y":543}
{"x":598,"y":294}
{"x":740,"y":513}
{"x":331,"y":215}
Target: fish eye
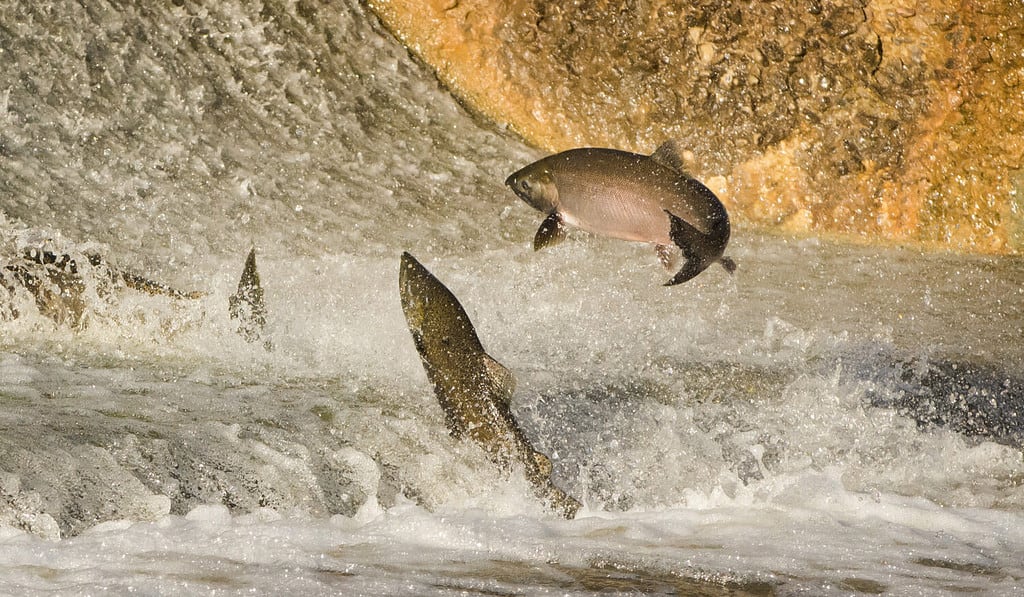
{"x":525,"y":184}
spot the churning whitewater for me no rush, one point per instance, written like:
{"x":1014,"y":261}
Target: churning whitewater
{"x":828,"y":420}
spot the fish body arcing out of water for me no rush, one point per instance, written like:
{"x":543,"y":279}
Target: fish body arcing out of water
{"x":473,"y":389}
{"x":631,"y":197}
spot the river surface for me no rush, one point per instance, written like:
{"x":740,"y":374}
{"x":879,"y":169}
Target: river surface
{"x":830,"y":420}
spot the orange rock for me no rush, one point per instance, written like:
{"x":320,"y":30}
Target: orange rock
{"x":879,"y":120}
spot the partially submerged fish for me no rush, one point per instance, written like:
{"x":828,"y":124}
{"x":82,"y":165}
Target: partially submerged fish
{"x":631,"y":197}
{"x":52,"y":280}
{"x":57,"y":283}
{"x":248,"y":306}
{"x":473,"y":389}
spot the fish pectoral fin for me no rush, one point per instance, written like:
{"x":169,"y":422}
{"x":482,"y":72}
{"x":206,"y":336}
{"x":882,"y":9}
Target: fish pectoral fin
{"x":693,"y":243}
{"x":501,"y":380}
{"x":551,"y":232}
{"x":669,"y":155}
{"x":666,"y":256}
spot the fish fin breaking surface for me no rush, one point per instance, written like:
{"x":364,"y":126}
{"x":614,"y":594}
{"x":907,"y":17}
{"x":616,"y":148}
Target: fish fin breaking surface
{"x":248,"y":305}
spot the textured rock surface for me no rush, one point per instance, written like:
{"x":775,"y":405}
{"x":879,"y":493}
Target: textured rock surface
{"x":893,"y":120}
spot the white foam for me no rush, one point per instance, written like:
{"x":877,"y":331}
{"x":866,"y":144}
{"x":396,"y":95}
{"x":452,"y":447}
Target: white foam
{"x":719,"y":430}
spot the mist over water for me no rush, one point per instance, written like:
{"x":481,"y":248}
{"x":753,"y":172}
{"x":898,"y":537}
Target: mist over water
{"x":829,"y":419}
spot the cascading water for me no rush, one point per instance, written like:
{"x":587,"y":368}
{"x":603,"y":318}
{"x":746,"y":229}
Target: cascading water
{"x":830,"y":419}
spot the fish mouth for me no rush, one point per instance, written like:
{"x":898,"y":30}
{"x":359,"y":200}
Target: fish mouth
{"x":511,"y":182}
{"x":409,"y":285}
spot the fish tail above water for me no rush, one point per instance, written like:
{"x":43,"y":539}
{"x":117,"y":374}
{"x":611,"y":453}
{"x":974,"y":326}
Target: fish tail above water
{"x":699,"y":249}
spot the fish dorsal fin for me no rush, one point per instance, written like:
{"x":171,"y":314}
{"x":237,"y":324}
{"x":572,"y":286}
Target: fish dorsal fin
{"x":669,"y":155}
{"x":248,"y":305}
{"x":551,"y":232}
{"x":500,"y":379}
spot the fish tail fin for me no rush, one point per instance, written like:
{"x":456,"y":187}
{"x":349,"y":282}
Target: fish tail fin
{"x":689,"y":271}
{"x":696,"y":247}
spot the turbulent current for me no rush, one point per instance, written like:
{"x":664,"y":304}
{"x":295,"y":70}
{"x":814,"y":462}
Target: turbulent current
{"x":830,"y":419}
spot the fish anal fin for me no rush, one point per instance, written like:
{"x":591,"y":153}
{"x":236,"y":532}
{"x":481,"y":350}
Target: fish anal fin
{"x":500,"y":379}
{"x":670,"y":156}
{"x":551,"y":232}
{"x":666,"y":256}
{"x":728,"y":264}
{"x":689,"y":271}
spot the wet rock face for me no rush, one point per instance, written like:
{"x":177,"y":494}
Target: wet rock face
{"x":885,"y":119}
{"x":752,"y":72}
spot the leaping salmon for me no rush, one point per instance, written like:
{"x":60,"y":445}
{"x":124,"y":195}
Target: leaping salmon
{"x":474,"y":390}
{"x":631,"y":197}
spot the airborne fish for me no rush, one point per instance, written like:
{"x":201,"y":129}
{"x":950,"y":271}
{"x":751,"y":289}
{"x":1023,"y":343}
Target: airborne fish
{"x":631,"y":197}
{"x":473,"y":389}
